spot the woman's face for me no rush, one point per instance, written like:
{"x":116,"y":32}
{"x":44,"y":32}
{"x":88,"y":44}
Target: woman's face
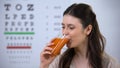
{"x":72,"y":27}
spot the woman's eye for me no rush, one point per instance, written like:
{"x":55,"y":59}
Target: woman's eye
{"x":71,"y":28}
{"x":63,"y":27}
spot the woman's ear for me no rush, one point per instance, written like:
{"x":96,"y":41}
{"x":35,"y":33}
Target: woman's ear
{"x":88,"y":29}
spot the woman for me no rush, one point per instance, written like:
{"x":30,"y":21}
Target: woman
{"x":86,"y":45}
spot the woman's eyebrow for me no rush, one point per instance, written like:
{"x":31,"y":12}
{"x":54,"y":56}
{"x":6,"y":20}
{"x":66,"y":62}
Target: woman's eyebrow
{"x":70,"y":25}
{"x":67,"y":24}
{"x":62,"y":23}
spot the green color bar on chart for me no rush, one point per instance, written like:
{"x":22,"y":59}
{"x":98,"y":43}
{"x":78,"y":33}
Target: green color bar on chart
{"x":19,"y":33}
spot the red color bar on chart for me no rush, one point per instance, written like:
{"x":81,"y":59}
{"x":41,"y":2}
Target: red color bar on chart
{"x":18,"y":47}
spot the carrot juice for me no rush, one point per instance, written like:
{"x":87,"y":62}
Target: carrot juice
{"x":58,"y":45}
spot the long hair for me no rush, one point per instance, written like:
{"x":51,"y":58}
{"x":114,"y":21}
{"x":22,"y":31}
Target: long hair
{"x":96,"y":41}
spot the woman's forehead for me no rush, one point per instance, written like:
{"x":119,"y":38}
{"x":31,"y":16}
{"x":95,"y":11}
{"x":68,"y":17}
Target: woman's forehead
{"x":68,"y":19}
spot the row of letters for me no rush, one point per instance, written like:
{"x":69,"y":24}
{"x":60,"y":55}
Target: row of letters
{"x":19,"y":7}
{"x":19,"y":16}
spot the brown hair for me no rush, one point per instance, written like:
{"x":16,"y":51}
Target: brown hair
{"x":96,"y":41}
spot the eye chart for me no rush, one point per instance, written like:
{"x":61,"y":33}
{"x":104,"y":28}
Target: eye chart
{"x":25,"y":28}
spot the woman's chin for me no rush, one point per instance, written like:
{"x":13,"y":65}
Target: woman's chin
{"x":68,"y":46}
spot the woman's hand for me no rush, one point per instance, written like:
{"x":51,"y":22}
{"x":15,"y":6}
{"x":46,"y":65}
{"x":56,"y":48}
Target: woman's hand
{"x":45,"y":57}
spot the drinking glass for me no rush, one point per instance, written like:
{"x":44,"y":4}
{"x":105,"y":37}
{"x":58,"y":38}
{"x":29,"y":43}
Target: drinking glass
{"x":59,"y":42}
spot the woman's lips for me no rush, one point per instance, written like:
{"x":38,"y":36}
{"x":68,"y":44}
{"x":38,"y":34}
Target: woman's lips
{"x":69,"y":43}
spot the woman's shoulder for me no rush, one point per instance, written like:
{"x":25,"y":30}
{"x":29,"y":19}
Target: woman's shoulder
{"x":110,"y":62}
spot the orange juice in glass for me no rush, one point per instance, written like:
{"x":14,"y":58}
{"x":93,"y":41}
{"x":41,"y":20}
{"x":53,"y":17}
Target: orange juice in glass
{"x":58,"y":45}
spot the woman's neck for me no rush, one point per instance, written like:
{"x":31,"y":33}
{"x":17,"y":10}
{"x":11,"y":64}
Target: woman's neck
{"x":81,"y":50}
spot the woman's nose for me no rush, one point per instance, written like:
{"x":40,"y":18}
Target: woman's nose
{"x":65,"y":32}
